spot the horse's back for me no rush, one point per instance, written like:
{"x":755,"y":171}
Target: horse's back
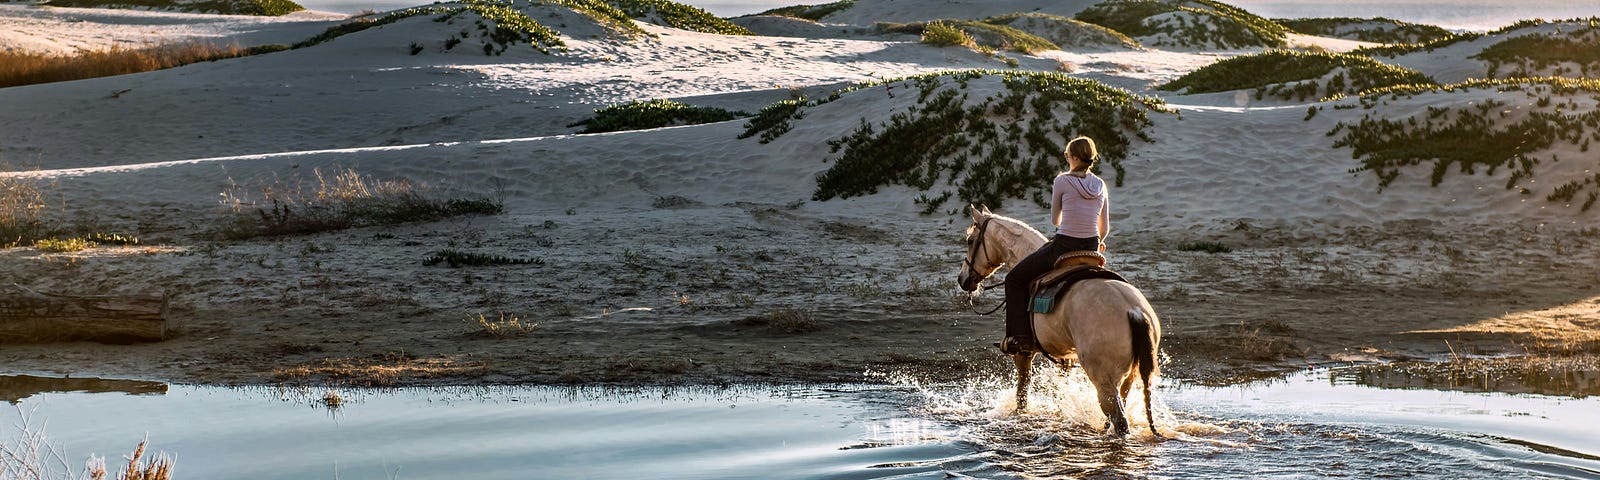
{"x":1095,"y":320}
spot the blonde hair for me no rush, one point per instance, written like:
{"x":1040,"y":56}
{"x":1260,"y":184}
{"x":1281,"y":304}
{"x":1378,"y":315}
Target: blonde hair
{"x":1083,"y":149}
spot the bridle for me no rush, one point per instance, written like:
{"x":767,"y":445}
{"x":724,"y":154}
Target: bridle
{"x":972,"y":269}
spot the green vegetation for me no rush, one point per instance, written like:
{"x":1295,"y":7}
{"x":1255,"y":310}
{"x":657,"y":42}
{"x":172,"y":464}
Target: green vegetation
{"x":680,"y":16}
{"x":457,"y":259}
{"x":1270,"y":73}
{"x":646,"y":114}
{"x":1064,"y":31}
{"x":266,"y":8}
{"x":1392,"y":51}
{"x":984,"y":150}
{"x":605,"y":14}
{"x":344,"y":199}
{"x":509,"y":26}
{"x":1537,"y":55}
{"x":811,"y":12}
{"x":1484,"y":135}
{"x":982,"y":35}
{"x":1211,"y":23}
{"x":1377,"y":29}
{"x":1204,"y":246}
{"x":773,"y":120}
{"x":364,"y":23}
{"x":62,"y":246}
{"x":941,"y":34}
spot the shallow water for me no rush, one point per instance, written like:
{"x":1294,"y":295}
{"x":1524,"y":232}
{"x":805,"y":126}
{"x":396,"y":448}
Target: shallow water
{"x":1313,"y":424}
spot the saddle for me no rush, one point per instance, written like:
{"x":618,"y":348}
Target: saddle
{"x":1070,"y":268}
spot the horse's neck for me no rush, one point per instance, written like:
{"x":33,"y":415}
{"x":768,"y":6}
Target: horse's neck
{"x":1017,"y":245}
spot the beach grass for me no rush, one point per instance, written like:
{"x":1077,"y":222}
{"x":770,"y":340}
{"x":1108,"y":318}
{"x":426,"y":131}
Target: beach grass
{"x":1272,"y":71}
{"x":25,"y":212}
{"x":647,"y":114}
{"x":340,"y":199}
{"x":1539,"y":55}
{"x":28,"y":68}
{"x":941,"y":34}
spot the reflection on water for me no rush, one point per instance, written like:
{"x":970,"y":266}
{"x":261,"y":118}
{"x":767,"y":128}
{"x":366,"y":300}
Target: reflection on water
{"x":1314,"y":424}
{"x":1561,"y":376}
{"x":14,"y":388}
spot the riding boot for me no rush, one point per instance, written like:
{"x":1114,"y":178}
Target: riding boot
{"x":1018,"y":344}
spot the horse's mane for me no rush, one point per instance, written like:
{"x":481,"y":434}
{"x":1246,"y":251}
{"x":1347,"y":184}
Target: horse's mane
{"x":1019,"y":225}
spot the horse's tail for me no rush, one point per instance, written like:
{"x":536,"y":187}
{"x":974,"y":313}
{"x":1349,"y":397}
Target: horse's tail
{"x":1144,"y":353}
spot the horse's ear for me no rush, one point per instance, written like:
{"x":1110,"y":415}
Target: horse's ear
{"x":974,"y":211}
{"x":986,"y":210}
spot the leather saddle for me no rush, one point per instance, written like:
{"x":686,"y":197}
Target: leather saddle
{"x":1070,"y":268}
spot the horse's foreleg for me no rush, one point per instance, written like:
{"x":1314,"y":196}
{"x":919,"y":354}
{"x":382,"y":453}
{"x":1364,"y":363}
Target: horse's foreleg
{"x":1024,"y":363}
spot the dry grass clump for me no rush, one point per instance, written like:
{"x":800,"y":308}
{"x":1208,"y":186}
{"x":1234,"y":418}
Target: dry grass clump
{"x":342,"y":199}
{"x":505,"y":326}
{"x":27,"y":68}
{"x":379,"y":370}
{"x":24,"y":212}
{"x":791,"y":320}
{"x":159,"y":468}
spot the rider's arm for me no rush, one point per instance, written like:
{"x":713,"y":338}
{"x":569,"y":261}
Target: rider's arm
{"x":1055,"y":202}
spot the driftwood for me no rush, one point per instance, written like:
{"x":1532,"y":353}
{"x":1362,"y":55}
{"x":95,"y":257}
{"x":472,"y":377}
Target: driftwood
{"x":29,"y":316}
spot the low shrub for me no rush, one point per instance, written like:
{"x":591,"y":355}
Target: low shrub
{"x":944,"y":33}
{"x":985,"y":151}
{"x":1276,"y":67}
{"x":1480,"y":136}
{"x":1063,"y":31}
{"x":811,"y":12}
{"x":1376,"y":30}
{"x":1204,"y":246}
{"x":941,"y":34}
{"x":1538,"y":55}
{"x":505,"y":326}
{"x":646,"y":114}
{"x":680,"y":16}
{"x":1214,"y":23}
{"x":773,"y":120}
{"x":457,"y":259}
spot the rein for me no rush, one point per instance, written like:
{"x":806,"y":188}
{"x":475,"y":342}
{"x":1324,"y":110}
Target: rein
{"x":972,"y":270}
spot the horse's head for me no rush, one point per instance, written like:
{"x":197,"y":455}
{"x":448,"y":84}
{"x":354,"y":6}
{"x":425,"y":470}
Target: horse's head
{"x":982,"y":259}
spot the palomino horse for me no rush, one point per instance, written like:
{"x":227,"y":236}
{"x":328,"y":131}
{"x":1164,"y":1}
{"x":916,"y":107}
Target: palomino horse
{"x":1108,"y":325}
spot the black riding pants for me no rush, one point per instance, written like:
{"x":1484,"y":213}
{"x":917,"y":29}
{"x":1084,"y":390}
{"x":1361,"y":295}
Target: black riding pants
{"x":1024,"y":272}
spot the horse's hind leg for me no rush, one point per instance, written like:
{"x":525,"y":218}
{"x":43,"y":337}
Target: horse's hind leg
{"x":1024,"y":363}
{"x":1111,"y":406}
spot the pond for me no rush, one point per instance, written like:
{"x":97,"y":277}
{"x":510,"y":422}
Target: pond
{"x":1310,"y":425}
